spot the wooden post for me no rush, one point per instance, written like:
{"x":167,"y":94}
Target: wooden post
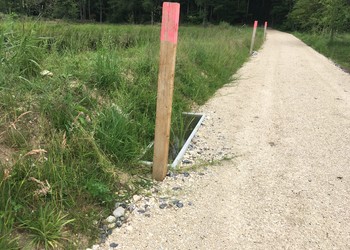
{"x":253,"y":37}
{"x":168,"y":44}
{"x":265,"y":30}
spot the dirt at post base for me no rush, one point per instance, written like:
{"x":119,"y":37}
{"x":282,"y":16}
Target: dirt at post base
{"x":287,"y":119}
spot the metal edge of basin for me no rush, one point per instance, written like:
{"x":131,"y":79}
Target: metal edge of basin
{"x":182,"y":152}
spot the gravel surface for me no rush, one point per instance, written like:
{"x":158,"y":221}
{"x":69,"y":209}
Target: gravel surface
{"x":285,"y":125}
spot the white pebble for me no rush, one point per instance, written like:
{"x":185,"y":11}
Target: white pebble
{"x":119,"y":212}
{"x":111,"y":219}
{"x":95,"y":247}
{"x":136,"y":198}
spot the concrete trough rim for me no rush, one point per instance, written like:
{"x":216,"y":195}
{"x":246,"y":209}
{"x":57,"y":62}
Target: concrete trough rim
{"x":184,"y":148}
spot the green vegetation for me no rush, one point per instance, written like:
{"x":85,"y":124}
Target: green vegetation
{"x":320,"y":16}
{"x":135,"y":11}
{"x":338,"y":50}
{"x":71,"y":136}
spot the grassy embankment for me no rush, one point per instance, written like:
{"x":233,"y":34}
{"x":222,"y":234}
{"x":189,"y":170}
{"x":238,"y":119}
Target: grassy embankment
{"x":338,"y":50}
{"x":70,"y":142}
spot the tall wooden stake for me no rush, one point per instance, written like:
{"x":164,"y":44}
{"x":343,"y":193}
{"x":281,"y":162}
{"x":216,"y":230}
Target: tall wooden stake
{"x":168,"y":44}
{"x":253,"y":37}
{"x":265,"y":30}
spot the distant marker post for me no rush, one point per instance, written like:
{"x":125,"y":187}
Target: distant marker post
{"x":168,"y":45}
{"x":265,"y":30}
{"x":253,"y":37}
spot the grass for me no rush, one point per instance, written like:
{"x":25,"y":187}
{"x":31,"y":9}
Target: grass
{"x":338,"y":50}
{"x":46,"y":228}
{"x":70,"y":140}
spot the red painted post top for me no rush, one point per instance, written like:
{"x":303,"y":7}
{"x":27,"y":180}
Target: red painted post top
{"x":265,"y":24}
{"x":170,"y":22}
{"x":255,"y":24}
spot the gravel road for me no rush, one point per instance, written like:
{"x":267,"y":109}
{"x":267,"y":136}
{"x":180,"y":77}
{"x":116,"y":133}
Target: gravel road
{"x":287,"y":122}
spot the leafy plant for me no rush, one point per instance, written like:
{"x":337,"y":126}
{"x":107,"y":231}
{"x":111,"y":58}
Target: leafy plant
{"x":47,"y":227}
{"x":99,"y":190}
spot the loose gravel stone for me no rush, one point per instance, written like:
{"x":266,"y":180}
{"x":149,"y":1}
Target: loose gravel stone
{"x":163,"y":205}
{"x":136,"y":198}
{"x":179,"y":204}
{"x":131,"y":207}
{"x":113,"y":245}
{"x":120,"y":211}
{"x":187,"y":162}
{"x":95,"y":247}
{"x":174,"y":202}
{"x":170,"y":174}
{"x":111,"y":219}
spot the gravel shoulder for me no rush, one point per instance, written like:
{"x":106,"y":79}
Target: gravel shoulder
{"x":279,"y":142}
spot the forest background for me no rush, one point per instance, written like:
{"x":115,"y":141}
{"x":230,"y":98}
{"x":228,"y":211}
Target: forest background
{"x":316,"y":15}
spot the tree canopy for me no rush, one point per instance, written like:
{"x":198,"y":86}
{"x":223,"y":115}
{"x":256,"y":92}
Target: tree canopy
{"x":317,"y":15}
{"x":320,"y":15}
{"x":141,"y":11}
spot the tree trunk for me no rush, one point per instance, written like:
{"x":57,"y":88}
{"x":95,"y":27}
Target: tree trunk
{"x":247,"y":12}
{"x":80,"y":10}
{"x":152,"y":17}
{"x":6,"y":6}
{"x":205,"y":13}
{"x":89,"y":9}
{"x":211,"y":14}
{"x":84,"y":10}
{"x":100,"y":11}
{"x":188,"y":7}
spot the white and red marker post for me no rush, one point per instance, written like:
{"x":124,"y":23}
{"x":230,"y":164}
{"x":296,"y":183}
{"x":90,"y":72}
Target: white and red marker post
{"x":253,"y":37}
{"x":168,"y":45}
{"x":265,"y":30}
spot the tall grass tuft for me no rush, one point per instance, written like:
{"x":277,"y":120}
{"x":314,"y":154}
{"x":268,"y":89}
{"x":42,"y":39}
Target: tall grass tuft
{"x":116,"y":134}
{"x":106,"y":72}
{"x":46,"y":228}
{"x":20,"y":50}
{"x":8,"y":208}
